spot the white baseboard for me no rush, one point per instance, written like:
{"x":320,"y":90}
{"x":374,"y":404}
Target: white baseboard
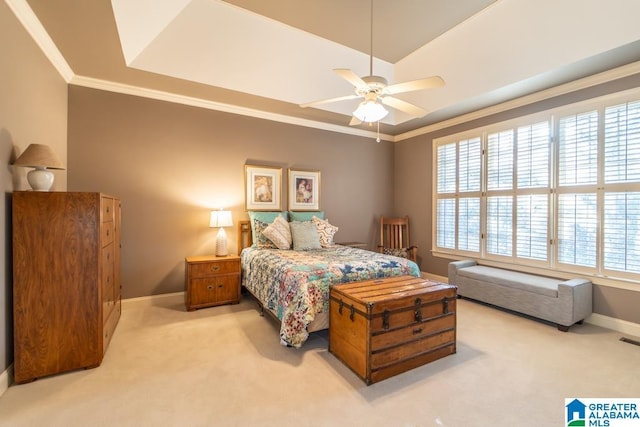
{"x":435,"y":277}
{"x":622,"y":326}
{"x":162,"y":299}
{"x":5,"y":379}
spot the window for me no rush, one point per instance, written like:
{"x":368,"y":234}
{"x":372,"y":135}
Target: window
{"x":559,"y":190}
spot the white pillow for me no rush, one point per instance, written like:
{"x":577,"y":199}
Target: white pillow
{"x":325,"y":231}
{"x":279,"y":233}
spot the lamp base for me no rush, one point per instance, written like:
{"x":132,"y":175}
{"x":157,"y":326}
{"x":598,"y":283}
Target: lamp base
{"x":40,"y":179}
{"x":221,"y":243}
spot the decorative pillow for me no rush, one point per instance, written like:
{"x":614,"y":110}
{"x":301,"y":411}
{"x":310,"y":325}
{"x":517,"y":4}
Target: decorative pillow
{"x":400,"y":252}
{"x":325,"y":231}
{"x":279,"y":233}
{"x":304,"y":235}
{"x":266,"y":217}
{"x":305,"y":216}
{"x":262,"y":241}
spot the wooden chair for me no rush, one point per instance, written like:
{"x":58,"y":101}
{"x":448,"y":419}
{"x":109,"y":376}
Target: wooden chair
{"x":394,"y":238}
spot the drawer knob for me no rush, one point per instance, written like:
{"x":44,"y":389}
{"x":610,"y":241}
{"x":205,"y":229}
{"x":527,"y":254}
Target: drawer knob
{"x":210,"y":287}
{"x":215,"y":267}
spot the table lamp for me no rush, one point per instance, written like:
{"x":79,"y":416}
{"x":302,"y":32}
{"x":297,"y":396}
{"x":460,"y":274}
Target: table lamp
{"x":41,"y":157}
{"x":221,"y":219}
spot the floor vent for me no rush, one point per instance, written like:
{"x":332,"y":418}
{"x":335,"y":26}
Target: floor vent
{"x":630,"y":341}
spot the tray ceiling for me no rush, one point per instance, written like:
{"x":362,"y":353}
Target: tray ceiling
{"x":270,"y":56}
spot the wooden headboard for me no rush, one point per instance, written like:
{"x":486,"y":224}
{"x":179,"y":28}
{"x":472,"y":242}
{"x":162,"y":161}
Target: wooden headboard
{"x":245,"y":238}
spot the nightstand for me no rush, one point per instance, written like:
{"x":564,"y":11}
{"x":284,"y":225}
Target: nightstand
{"x":211,"y":281}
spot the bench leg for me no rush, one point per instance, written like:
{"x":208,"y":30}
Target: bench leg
{"x":563,"y":328}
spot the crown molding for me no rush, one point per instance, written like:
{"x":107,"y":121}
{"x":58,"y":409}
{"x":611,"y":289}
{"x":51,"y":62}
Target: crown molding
{"x":34,"y":27}
{"x":584,"y":83}
{"x":31,"y":23}
{"x":29,"y":20}
{"x":218,"y":106}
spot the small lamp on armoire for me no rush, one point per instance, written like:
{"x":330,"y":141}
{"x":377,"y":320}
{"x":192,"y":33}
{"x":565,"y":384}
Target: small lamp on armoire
{"x":41,"y":157}
{"x":221,"y":219}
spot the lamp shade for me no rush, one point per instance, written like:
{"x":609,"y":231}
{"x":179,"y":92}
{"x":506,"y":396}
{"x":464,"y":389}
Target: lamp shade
{"x":220,"y":219}
{"x":370,"y":111}
{"x":39,"y":155}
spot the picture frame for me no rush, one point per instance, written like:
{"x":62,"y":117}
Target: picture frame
{"x":263,"y":188}
{"x":304,"y":190}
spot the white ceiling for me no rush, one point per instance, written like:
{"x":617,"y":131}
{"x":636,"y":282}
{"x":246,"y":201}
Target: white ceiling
{"x":510,"y":41}
{"x":282,"y":52}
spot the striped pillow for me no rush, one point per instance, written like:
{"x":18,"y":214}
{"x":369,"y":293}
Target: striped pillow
{"x":279,"y":233}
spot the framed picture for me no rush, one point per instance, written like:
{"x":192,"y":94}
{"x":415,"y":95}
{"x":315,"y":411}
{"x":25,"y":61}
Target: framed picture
{"x":304,"y":190}
{"x":263,"y":188}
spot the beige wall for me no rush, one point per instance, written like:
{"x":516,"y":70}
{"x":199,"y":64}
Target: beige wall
{"x":33,"y":109}
{"x":171,"y":164}
{"x":413,"y":193}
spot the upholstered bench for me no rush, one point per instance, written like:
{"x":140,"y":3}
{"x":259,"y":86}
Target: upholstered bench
{"x":563,"y":302}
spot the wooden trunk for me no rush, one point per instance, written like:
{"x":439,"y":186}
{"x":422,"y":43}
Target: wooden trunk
{"x":66,"y":280}
{"x":383,"y":327}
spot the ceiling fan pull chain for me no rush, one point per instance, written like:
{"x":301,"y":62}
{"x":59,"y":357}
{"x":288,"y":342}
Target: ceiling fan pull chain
{"x":378,"y":138}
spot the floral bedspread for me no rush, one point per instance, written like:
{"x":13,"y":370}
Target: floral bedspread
{"x":295,"y":284}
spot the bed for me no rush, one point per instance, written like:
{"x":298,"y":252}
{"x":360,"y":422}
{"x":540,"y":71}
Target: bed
{"x":294,"y":285}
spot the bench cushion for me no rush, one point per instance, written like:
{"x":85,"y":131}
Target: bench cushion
{"x":514,"y":279}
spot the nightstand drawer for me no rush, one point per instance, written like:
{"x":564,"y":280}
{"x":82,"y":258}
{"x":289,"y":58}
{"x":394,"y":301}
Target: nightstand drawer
{"x":215,"y":290}
{"x":207,"y":269}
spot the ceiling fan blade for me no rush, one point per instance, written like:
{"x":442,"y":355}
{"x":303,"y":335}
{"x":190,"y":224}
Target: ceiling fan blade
{"x":352,"y":78}
{"x":326,"y":101}
{"x":403,"y":106}
{"x":355,"y":121}
{"x":421,"y":84}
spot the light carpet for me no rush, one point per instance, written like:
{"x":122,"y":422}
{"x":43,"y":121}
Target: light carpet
{"x":224,"y":366}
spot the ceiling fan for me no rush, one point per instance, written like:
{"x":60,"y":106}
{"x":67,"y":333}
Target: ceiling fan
{"x":376,"y":91}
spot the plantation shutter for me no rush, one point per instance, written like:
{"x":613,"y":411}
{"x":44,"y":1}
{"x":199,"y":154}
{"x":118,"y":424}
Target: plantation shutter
{"x":458,"y":195}
{"x":532,"y":211}
{"x":621,"y":174}
{"x":577,"y":211}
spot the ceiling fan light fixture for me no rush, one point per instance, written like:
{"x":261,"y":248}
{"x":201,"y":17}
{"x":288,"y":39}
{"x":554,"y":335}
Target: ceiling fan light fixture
{"x":370,"y":110}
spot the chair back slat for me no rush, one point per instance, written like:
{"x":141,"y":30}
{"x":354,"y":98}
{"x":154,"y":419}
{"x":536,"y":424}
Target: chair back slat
{"x":394,"y":233}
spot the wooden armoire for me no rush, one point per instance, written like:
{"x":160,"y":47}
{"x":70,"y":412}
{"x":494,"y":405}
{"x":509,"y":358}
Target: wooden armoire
{"x":66,"y":280}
